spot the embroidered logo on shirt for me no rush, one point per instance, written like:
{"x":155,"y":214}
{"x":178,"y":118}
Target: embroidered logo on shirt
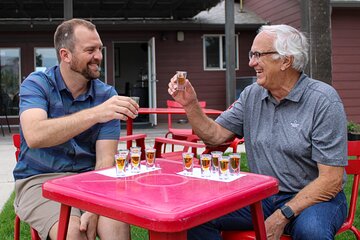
{"x":294,"y":124}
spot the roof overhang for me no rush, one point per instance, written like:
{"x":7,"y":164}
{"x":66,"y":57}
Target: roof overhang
{"x":345,"y":3}
{"x":209,"y":15}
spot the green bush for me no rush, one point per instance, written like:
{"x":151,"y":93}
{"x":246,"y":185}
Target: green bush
{"x":353,"y":127}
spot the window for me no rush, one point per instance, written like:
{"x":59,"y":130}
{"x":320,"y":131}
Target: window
{"x":214,"y":52}
{"x":9,"y":81}
{"x":45,"y":58}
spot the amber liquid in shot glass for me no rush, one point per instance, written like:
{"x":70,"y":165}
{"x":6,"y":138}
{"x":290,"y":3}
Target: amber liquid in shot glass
{"x":135,"y":162}
{"x":120,"y":164}
{"x":224,"y":167}
{"x":234,"y":164}
{"x":205,"y":160}
{"x":150,"y":158}
{"x":181,"y":77}
{"x":215,"y":156}
{"x":188,"y":163}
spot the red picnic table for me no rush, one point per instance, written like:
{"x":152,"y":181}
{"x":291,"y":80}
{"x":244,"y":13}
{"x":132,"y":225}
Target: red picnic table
{"x":162,"y":201}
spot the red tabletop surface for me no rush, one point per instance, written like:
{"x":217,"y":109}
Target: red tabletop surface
{"x":161,"y":200}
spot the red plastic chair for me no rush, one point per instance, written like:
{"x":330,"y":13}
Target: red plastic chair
{"x":176,"y":156}
{"x":353,"y":168}
{"x":178,"y":133}
{"x":139,"y":139}
{"x":34,"y":233}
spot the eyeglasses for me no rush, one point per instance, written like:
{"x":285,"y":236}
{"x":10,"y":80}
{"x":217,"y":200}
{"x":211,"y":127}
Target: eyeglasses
{"x":257,"y":55}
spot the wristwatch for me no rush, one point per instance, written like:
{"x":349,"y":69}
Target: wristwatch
{"x":287,"y":212}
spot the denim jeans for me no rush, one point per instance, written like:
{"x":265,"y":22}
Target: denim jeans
{"x":320,"y":221}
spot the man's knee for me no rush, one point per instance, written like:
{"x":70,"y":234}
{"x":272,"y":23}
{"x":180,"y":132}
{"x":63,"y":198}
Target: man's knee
{"x":112,"y":229}
{"x":312,"y":229}
{"x":73,"y":231}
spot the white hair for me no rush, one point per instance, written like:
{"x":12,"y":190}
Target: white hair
{"x":289,"y":42}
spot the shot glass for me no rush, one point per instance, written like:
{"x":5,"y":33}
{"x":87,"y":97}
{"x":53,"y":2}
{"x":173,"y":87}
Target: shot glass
{"x":121,"y":163}
{"x":150,"y":158}
{"x":205,"y":160}
{"x":215,"y":156}
{"x":126,"y":152}
{"x":224,"y":167}
{"x":135,"y":161}
{"x":181,"y":77}
{"x":234,"y":168}
{"x":137,"y":100}
{"x":188,"y":163}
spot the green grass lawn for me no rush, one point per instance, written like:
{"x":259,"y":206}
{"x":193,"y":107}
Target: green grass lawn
{"x":7,"y":217}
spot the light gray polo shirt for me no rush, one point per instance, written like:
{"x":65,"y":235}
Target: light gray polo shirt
{"x":287,"y":139}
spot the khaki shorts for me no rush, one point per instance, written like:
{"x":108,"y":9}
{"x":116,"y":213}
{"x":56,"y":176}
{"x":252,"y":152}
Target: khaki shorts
{"x":31,"y":207}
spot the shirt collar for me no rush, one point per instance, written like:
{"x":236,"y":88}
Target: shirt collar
{"x":295,"y":94}
{"x":299,"y":88}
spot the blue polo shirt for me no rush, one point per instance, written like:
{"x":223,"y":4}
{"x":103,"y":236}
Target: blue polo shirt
{"x":287,"y":139}
{"x":49,"y":92}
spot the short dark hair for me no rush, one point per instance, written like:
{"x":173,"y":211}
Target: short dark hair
{"x":64,"y":34}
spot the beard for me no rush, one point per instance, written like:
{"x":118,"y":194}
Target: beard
{"x":86,"y":71}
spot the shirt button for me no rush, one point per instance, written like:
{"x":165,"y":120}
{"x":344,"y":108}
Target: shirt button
{"x":276,"y":121}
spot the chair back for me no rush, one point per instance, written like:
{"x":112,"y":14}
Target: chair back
{"x":184,"y":146}
{"x":174,"y":104}
{"x":16,"y":142}
{"x":34,"y":233}
{"x":353,"y":168}
{"x":139,"y":139}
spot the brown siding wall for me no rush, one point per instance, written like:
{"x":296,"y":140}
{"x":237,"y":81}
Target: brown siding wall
{"x":346,"y":63}
{"x":277,"y":11}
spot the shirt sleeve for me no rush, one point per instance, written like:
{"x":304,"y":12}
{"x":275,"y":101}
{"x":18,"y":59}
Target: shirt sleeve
{"x":110,"y":130}
{"x":233,"y":118}
{"x":33,"y":93}
{"x":329,"y":140}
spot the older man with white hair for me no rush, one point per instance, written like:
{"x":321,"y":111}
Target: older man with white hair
{"x":294,"y":129}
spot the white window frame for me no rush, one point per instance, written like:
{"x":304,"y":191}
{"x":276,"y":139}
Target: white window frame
{"x":221,"y":58}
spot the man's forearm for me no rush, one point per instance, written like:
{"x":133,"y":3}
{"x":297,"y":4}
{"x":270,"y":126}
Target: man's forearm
{"x":206,"y":128}
{"x":51,"y":132}
{"x":321,"y":189}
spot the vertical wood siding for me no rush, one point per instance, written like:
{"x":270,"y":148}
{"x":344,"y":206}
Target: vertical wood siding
{"x":276,"y":11}
{"x":345,"y":61}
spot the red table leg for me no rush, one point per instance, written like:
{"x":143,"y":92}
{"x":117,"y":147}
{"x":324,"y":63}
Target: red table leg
{"x":258,"y":220}
{"x":63,"y":221}
{"x":167,"y":236}
{"x":129,"y":130}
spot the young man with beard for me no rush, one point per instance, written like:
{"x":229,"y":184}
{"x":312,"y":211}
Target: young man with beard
{"x":69,"y":123}
{"x":294,"y":129}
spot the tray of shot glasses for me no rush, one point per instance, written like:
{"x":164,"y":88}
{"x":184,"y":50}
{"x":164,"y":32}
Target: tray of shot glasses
{"x":214,"y":166}
{"x":128,"y":163}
